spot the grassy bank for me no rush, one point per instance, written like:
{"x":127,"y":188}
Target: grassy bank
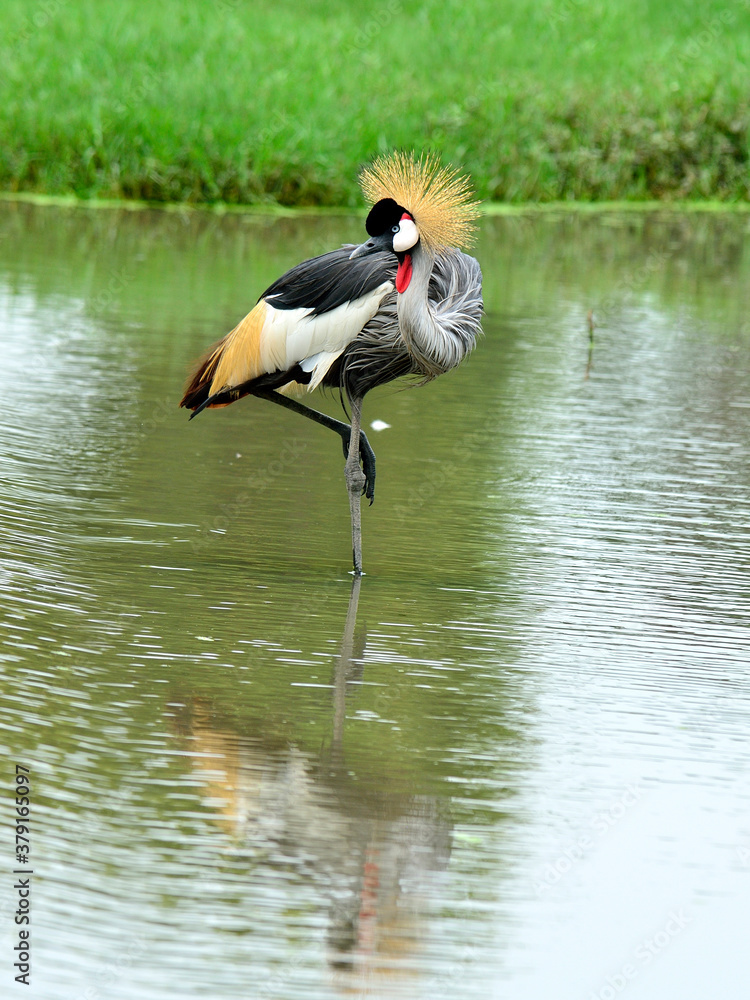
{"x":257,"y":102}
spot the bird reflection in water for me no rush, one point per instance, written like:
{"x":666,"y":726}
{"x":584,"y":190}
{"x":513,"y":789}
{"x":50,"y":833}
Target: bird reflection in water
{"x":372,"y":852}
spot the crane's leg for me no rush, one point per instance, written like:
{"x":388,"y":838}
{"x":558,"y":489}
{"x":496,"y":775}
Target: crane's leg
{"x":356,"y":484}
{"x":344,"y":431}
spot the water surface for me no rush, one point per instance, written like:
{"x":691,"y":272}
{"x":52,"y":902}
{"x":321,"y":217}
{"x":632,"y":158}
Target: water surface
{"x":520,"y":769}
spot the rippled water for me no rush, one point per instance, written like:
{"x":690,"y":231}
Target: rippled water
{"x":519,"y":767}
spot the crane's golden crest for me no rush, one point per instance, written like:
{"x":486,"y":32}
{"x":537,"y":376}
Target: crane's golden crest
{"x":439,"y":198}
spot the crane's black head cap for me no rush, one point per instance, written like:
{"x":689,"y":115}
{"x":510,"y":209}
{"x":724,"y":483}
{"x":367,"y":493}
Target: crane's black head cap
{"x":383,"y":215}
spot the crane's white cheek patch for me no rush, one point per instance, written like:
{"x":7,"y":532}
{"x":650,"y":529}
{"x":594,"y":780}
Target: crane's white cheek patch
{"x":406,"y":237}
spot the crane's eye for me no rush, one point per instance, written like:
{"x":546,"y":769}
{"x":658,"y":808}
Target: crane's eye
{"x":394,"y":229}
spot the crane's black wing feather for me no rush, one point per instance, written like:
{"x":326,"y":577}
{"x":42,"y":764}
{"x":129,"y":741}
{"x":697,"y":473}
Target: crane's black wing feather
{"x":326,"y":282}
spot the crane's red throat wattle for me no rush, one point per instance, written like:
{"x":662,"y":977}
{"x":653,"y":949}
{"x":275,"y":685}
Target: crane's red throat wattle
{"x":403,"y":275}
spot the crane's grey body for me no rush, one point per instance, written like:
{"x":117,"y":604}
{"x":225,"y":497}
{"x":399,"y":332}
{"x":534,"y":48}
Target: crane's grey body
{"x":424,"y":332}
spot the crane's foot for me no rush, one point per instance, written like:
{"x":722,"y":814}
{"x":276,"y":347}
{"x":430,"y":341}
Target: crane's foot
{"x":367,"y":472}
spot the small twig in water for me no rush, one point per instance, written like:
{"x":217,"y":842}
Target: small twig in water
{"x":592,"y":326}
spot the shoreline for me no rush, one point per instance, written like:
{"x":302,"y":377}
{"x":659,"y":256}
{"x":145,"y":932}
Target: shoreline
{"x":284,"y":211}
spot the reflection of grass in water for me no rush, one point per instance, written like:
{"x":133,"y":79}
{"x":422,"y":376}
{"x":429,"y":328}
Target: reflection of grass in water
{"x":263,"y":102}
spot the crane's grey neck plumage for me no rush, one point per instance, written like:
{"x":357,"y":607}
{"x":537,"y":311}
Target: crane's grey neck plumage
{"x":440,"y":335}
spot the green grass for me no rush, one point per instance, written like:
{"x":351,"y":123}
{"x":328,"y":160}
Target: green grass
{"x":242,"y":102}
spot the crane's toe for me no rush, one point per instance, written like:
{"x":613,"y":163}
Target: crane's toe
{"x":368,"y":467}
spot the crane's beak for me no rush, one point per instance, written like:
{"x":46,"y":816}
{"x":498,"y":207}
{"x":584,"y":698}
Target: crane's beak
{"x":374,"y":245}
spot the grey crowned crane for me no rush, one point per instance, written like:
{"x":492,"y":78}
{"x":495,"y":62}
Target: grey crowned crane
{"x":408,"y":302}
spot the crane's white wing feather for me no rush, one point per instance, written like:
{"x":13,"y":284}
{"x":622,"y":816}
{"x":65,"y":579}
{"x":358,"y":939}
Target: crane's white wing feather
{"x":315,"y":340}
